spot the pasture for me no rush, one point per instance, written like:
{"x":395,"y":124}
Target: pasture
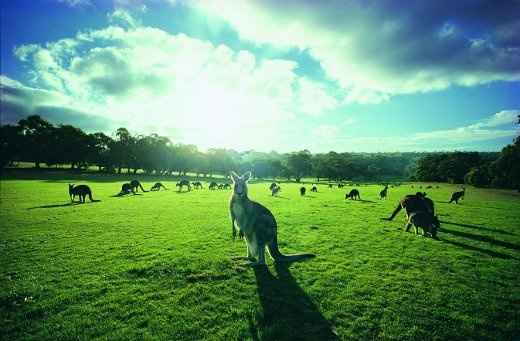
{"x":159,"y":266}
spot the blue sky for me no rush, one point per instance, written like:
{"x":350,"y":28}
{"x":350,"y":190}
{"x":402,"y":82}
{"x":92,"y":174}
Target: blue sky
{"x":268,"y":75}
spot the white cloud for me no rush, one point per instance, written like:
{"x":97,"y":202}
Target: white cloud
{"x":124,"y":17}
{"x":375,"y":50}
{"x":175,"y":85}
{"x":76,"y":3}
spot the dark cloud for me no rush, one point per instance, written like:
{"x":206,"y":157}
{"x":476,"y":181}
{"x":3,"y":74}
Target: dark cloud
{"x":19,"y":102}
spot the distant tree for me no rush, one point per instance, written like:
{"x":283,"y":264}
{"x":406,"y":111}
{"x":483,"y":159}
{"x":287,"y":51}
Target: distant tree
{"x":36,"y":144}
{"x":10,"y":144}
{"x":300,"y":164}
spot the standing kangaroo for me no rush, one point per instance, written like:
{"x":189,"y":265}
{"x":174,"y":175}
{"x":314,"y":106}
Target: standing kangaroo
{"x":456,"y":196}
{"x":383,"y":193}
{"x":82,"y":191}
{"x":257,"y":224}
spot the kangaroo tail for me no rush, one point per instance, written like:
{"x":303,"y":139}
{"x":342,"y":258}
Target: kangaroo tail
{"x":394,"y":213}
{"x":274,"y":251}
{"x":141,"y":187}
{"x":90,"y":197}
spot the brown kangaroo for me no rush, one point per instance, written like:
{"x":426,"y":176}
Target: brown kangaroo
{"x":257,"y":224}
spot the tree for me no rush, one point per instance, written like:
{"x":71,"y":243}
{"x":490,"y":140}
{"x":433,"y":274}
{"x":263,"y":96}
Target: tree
{"x":37,"y":134}
{"x":300,"y":164}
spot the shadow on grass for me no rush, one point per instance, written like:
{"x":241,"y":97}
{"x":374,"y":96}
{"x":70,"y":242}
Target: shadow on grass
{"x":280,"y":197}
{"x":124,"y":195}
{"x":478,"y":249}
{"x":360,"y":200}
{"x":288,"y":313}
{"x":490,"y":229}
{"x":64,"y":205}
{"x":480,"y":238}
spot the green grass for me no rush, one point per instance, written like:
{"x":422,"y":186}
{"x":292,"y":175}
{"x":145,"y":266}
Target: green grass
{"x":158,"y":266}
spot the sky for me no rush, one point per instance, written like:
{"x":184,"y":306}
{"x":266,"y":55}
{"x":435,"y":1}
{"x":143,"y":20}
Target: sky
{"x":348,"y":76}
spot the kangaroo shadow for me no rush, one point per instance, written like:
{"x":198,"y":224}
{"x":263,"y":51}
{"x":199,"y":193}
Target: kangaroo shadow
{"x":281,"y":197}
{"x":126,"y":195}
{"x":484,"y":228}
{"x":478,"y":249}
{"x":288,"y":313}
{"x":62,"y":205}
{"x":482,"y":238}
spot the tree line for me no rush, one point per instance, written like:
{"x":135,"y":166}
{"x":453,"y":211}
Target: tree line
{"x":499,"y":170}
{"x":36,"y":140}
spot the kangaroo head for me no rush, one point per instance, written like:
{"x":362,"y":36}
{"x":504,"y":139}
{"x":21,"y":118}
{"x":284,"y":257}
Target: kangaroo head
{"x":71,"y":186}
{"x":240,"y":183}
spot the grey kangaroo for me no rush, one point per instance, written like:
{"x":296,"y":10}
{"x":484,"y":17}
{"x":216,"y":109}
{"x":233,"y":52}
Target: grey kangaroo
{"x":383,"y":193}
{"x":157,"y":187}
{"x":414,"y":203}
{"x":136,"y":185}
{"x":456,"y":196}
{"x":82,"y":191}
{"x":354,"y":194}
{"x":257,"y":224}
{"x":428,"y":222}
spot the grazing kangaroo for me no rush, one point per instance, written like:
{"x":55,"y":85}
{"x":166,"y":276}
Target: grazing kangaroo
{"x":273,"y":185}
{"x":183,"y":183}
{"x":135,"y":185}
{"x":197,"y":185}
{"x":127,"y":188}
{"x":456,"y":196}
{"x":157,"y":186}
{"x":257,"y":224}
{"x":353,"y":195}
{"x":340,"y":185}
{"x":414,"y":203}
{"x":314,"y":189}
{"x":383,"y":193}
{"x":330,"y":185}
{"x":426,"y":221}
{"x":82,"y":191}
{"x":213,"y":185}
{"x":275,"y":190}
{"x":226,"y":186}
{"x":302,"y":191}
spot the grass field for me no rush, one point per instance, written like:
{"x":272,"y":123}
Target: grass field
{"x":159,"y":266}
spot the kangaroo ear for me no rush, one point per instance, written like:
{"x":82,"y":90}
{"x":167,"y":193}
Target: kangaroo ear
{"x":234,"y":176}
{"x":246,"y":176}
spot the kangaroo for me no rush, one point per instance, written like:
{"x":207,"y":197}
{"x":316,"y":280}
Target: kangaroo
{"x":302,"y":191}
{"x":183,"y":183}
{"x":428,"y":222}
{"x":82,"y":191}
{"x":226,"y":186}
{"x":383,"y":193}
{"x":353,"y":195}
{"x":340,"y":185}
{"x":414,"y":203}
{"x":257,"y":224}
{"x":456,"y":196}
{"x":127,"y":188}
{"x":135,"y":185}
{"x":314,"y":189}
{"x":212,"y":185}
{"x":275,"y":190}
{"x":330,"y":185}
{"x":220,"y":186}
{"x":157,"y":187}
{"x":273,"y":185}
{"x":197,"y":185}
